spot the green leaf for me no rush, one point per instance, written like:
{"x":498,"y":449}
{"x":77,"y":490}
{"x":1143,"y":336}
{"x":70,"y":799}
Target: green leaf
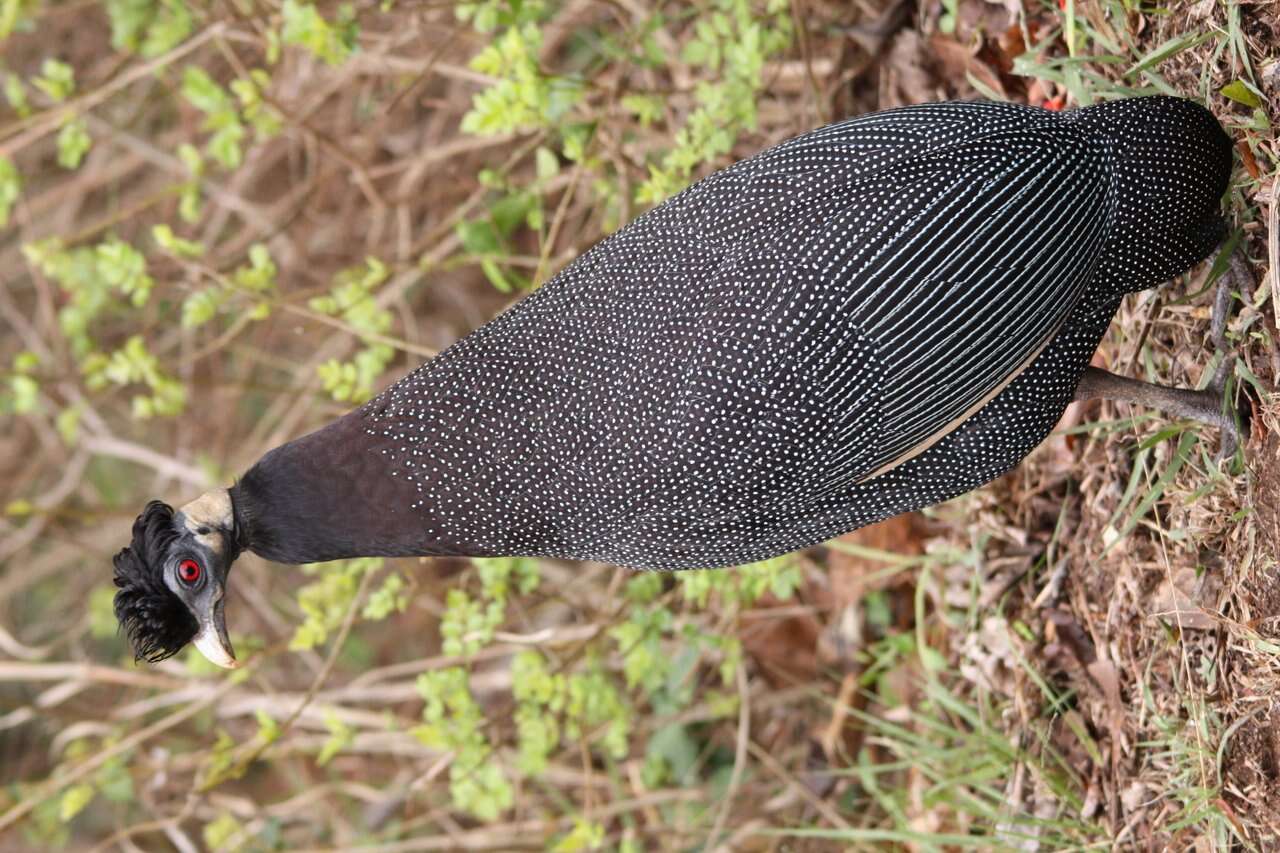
{"x":218,"y":832}
{"x":268,"y":728}
{"x":498,"y":575}
{"x":68,"y":425}
{"x":26,"y":361}
{"x":203,"y":92}
{"x":478,"y":237}
{"x":266,"y":120}
{"x":639,"y":641}
{"x":26,"y":394}
{"x":221,"y":763}
{"x":124,"y":268}
{"x":73,"y":801}
{"x":538,"y":694}
{"x":671,"y":754}
{"x":191,"y":158}
{"x":468,"y":625}
{"x":523,"y":98}
{"x":19,"y":508}
{"x":260,"y":274}
{"x":57,"y":80}
{"x":1242,"y":93}
{"x":511,"y":211}
{"x":646,"y":108}
{"x":547,"y":165}
{"x":324,"y":305}
{"x":170,"y":27}
{"x":16,"y":94}
{"x":306,"y":27}
{"x":133,"y":363}
{"x":696,"y":586}
{"x":73,"y":143}
{"x":325,"y":602}
{"x":142,"y":408}
{"x":496,"y":277}
{"x":148,"y":27}
{"x":114,"y":782}
{"x":174,"y":245}
{"x":452,"y":720}
{"x":189,"y":203}
{"x":932,"y":659}
{"x":340,"y":737}
{"x":699,"y":52}
{"x":10,"y":188}
{"x":129,"y":22}
{"x":585,"y":835}
{"x":1166,"y":49}
{"x":221,"y":117}
{"x":201,"y":307}
{"x":12,"y":16}
{"x":224,"y":146}
{"x":644,"y":587}
{"x":484,"y":790}
{"x":575,"y":138}
{"x":386,"y":599}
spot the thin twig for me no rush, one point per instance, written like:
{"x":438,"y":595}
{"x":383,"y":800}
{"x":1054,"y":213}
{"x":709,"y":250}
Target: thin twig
{"x":316,"y":683}
{"x":65,"y":777}
{"x":739,"y":758}
{"x":50,"y":120}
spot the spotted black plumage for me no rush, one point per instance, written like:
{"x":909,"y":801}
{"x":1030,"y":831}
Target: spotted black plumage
{"x":721,"y":381}
{"x":869,"y":318}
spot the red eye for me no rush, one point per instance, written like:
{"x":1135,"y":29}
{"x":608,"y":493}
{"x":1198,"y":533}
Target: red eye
{"x":189,"y":571}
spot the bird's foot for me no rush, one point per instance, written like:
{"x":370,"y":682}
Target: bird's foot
{"x":1236,"y":276}
{"x":1213,"y":406}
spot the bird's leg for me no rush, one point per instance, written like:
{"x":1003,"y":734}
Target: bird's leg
{"x":1237,"y":274}
{"x":1206,"y":406}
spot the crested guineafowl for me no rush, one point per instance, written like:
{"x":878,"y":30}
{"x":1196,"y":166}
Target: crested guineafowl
{"x":866,"y":319}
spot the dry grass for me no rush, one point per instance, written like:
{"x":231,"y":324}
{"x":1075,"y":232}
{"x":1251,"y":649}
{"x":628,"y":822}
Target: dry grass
{"x":1084,"y":654}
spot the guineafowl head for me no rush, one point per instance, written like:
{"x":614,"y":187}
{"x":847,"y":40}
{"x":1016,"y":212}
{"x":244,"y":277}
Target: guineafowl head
{"x":172,"y":578}
{"x":1172,"y":165}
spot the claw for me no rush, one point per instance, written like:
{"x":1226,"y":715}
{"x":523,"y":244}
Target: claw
{"x":1235,"y":425}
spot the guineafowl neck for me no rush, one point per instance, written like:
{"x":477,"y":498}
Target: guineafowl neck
{"x":331,"y":495}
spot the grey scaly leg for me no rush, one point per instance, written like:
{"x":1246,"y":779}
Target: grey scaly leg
{"x":1206,"y":406}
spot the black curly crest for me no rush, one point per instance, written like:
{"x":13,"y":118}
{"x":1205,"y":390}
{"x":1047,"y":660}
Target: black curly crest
{"x":156,"y":620}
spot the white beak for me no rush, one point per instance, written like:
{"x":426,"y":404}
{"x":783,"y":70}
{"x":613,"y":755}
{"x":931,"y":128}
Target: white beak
{"x":214,"y":647}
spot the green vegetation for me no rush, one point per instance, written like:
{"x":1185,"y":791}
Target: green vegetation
{"x":226,"y":223}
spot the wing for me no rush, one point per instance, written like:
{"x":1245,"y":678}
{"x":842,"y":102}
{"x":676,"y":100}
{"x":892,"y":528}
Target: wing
{"x":958,"y":267}
{"x":871,"y":318}
{"x":980,"y":271}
